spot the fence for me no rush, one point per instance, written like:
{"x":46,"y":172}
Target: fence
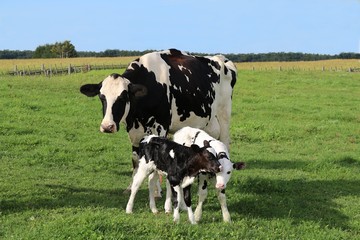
{"x":56,"y":70}
{"x":71,"y":69}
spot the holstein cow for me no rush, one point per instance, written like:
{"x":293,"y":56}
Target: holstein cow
{"x":188,"y":136}
{"x":164,"y":91}
{"x":179,"y":163}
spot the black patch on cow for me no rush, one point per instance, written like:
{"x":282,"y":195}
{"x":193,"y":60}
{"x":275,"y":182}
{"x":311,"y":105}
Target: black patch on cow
{"x":115,"y":75}
{"x":233,"y":78}
{"x":205,"y":185}
{"x":103,"y":103}
{"x":225,"y":70}
{"x":154,"y":105}
{"x":187,"y":195}
{"x":192,"y":79}
{"x":135,"y":149}
{"x":223,"y":191}
{"x":118,"y":108}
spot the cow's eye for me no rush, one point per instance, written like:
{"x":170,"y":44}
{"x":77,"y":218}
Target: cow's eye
{"x":228,"y":172}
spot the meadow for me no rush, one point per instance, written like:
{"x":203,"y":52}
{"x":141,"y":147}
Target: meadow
{"x":297,"y":131}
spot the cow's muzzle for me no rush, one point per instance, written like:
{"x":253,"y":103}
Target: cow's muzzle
{"x":108,"y":128}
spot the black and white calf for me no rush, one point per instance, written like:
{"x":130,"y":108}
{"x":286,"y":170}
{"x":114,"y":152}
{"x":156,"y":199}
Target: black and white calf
{"x":161,"y":92}
{"x":179,"y":163}
{"x":188,"y":136}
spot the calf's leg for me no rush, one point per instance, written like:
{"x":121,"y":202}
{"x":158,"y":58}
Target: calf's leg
{"x":187,"y":199}
{"x":153,"y":179}
{"x":202,"y":196}
{"x":168,"y":197}
{"x":139,"y":177}
{"x":222,"y":199}
{"x":176,"y":198}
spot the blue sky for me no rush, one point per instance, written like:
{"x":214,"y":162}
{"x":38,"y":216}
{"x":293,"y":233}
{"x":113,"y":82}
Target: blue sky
{"x":208,"y":26}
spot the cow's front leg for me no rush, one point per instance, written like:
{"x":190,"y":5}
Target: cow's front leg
{"x":187,"y":199}
{"x":202,"y":196}
{"x":224,"y":209}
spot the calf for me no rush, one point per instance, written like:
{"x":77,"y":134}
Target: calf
{"x":188,"y":136}
{"x":179,"y":163}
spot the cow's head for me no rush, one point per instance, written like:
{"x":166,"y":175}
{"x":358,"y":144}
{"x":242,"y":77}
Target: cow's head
{"x":223,"y":177}
{"x":116,"y":94}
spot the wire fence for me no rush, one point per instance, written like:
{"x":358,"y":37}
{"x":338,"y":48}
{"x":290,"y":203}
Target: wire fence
{"x":61,"y":70}
{"x":73,"y":69}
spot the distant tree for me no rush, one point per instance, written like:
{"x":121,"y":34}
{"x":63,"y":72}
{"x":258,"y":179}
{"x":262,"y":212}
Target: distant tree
{"x":58,"y":50}
{"x":15,"y":54}
{"x":44,"y":51}
{"x":64,"y":49}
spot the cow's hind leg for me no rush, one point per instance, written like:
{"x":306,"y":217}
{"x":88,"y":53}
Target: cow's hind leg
{"x":224,"y":123}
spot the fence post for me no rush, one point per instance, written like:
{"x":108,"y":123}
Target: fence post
{"x":16,"y":70}
{"x":69,"y":69}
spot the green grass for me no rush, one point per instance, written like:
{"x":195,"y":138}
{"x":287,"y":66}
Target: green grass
{"x":298,"y":132}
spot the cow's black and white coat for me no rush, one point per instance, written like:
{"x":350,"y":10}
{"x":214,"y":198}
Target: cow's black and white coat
{"x":188,"y":136}
{"x":164,"y":91}
{"x":179,"y":163}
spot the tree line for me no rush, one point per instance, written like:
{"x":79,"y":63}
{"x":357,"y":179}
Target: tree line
{"x":67,"y":50}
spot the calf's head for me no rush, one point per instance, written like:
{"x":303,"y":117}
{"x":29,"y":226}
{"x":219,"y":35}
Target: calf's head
{"x":116,"y":94}
{"x":223,"y":177}
{"x":205,"y":160}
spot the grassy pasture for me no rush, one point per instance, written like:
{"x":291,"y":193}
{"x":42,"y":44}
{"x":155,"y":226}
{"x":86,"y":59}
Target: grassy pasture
{"x":298,"y":132}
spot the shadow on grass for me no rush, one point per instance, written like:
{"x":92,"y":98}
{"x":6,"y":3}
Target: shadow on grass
{"x":301,"y":199}
{"x":70,"y":196}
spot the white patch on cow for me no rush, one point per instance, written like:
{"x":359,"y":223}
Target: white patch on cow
{"x":187,"y":181}
{"x":171,"y":153}
{"x":157,"y":65}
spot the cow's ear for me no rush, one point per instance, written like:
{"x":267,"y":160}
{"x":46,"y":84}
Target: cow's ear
{"x":206,"y":144}
{"x":90,"y":90}
{"x":195,"y":148}
{"x":137,"y":90}
{"x":239,"y":165}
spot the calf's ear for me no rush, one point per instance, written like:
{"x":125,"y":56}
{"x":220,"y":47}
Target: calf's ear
{"x":206,"y":144}
{"x":239,"y":165}
{"x":90,"y":90}
{"x":137,"y":90}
